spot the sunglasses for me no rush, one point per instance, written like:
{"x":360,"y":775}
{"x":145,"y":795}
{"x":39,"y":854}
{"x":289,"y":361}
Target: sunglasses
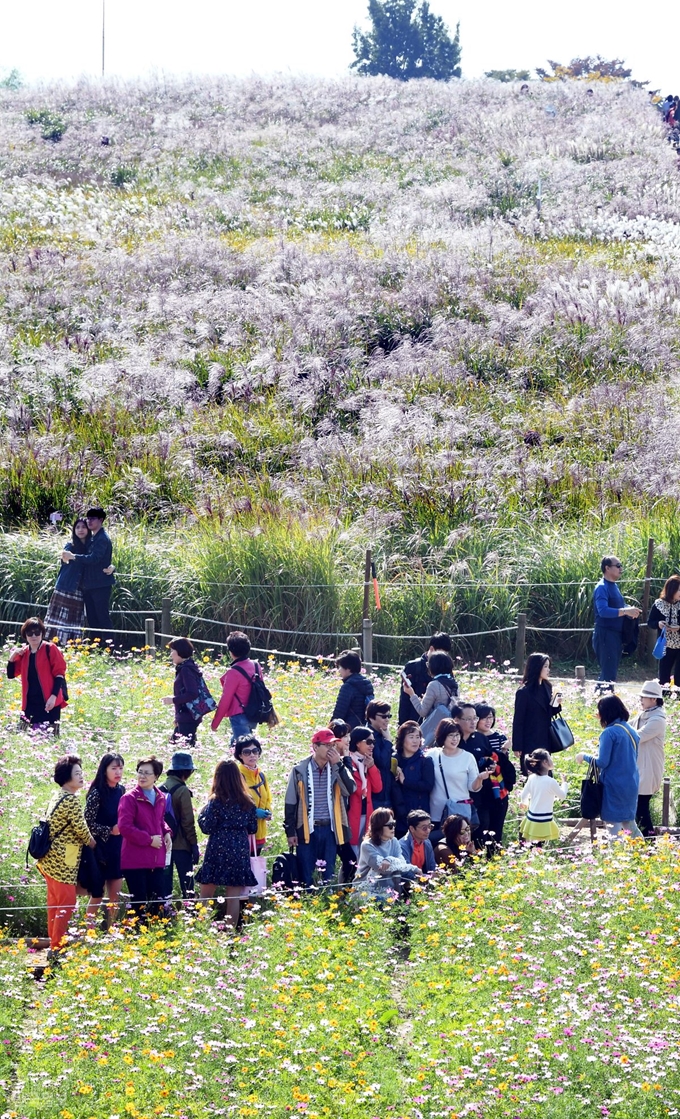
{"x":392,"y":825}
{"x":33,"y":633}
{"x":620,"y":565}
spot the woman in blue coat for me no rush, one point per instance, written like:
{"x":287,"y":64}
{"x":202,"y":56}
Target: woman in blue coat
{"x":415,"y":775}
{"x":616,"y":760}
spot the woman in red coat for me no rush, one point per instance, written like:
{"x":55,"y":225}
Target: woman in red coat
{"x":368,"y":781}
{"x":42,"y":669}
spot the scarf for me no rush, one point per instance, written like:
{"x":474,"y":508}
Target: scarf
{"x":359,"y":763}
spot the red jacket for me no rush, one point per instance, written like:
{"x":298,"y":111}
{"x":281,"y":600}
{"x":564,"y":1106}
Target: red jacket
{"x":373,"y":785}
{"x":235,"y":692}
{"x":138,"y":821}
{"x":49,"y":662}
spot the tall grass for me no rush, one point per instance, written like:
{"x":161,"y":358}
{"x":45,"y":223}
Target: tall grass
{"x":306,"y":579}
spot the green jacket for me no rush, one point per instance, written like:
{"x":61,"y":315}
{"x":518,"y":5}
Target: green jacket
{"x":183,"y":808}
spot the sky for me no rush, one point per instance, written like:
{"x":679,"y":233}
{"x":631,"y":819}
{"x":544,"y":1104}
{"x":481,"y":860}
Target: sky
{"x":48,"y":39}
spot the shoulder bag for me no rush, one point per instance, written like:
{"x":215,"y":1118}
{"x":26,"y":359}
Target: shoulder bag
{"x":561,"y":737}
{"x":591,"y":794}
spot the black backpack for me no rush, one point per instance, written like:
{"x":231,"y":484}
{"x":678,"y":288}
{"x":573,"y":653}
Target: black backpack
{"x":259,"y":708}
{"x":285,"y":873}
{"x":39,"y":842}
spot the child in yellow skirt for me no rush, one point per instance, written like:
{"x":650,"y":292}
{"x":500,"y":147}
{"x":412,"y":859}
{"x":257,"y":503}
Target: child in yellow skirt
{"x":540,"y":793}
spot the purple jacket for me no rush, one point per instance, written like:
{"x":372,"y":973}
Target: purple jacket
{"x":138,"y":821}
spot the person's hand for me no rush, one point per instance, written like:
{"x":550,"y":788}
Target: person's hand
{"x":579,"y":758}
{"x":168,"y":700}
{"x":262,"y":814}
{"x":663,"y":625}
{"x":50,"y":702}
{"x":115,"y":830}
{"x":167,"y":839}
{"x":484,"y":774}
{"x":156,"y":841}
{"x":333,"y":755}
{"x":632,"y":611}
{"x":292,"y":841}
{"x":407,"y":688}
{"x":368,"y":762}
{"x":109,"y":570}
{"x":384,"y":866}
{"x":195,"y":854}
{"x":67,"y":557}
{"x":92,"y":844}
{"x":400,"y":775}
{"x":17,"y":651}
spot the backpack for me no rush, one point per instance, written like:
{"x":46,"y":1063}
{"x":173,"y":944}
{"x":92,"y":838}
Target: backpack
{"x":39,"y":842}
{"x":170,"y":817}
{"x":203,"y":703}
{"x":285,"y":871}
{"x":259,"y":708}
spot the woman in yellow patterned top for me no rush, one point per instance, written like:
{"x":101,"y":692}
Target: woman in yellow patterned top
{"x":68,"y":835}
{"x":247,"y":751}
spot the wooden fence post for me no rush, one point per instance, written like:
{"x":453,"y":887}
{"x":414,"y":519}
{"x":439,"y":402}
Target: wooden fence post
{"x":166,"y":618}
{"x":644,"y":646}
{"x":521,"y":641}
{"x":150,"y":635}
{"x":666,"y":803}
{"x":580,"y":675}
{"x":367,"y":640}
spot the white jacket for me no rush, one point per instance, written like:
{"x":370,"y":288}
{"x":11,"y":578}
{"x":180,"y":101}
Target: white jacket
{"x":651,"y":726}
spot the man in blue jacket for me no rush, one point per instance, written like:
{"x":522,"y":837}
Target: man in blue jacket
{"x":95,"y":584}
{"x":415,"y":846}
{"x":610,"y":610}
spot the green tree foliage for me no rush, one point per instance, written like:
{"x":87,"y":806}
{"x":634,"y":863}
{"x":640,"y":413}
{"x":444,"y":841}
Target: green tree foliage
{"x":508,"y":75}
{"x":406,"y":42}
{"x":591,"y":69}
{"x":11,"y":80}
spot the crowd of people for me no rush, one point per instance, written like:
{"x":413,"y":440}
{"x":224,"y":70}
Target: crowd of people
{"x":387,"y":811}
{"x":385,"y":808}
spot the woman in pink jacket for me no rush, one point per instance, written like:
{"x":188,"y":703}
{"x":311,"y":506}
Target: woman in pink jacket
{"x":237,"y":684}
{"x":147,"y":840}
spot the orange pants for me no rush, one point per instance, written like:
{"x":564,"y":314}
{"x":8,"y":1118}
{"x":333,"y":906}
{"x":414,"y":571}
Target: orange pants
{"x":61,"y":902}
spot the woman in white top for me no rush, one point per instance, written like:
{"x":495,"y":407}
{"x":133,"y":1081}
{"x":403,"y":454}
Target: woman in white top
{"x":651,"y":726}
{"x":540,"y":793}
{"x":456,"y":775}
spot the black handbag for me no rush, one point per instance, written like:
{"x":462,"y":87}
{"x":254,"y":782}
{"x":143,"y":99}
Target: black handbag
{"x":561,"y":737}
{"x":591,"y":794}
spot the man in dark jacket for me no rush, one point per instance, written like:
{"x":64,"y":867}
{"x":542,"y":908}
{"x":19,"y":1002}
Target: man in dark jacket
{"x":185,"y":854}
{"x":378,"y":715}
{"x":355,"y":691}
{"x":419,"y":676}
{"x":95,"y":585}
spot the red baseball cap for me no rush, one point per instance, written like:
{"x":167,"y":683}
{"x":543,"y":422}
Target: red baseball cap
{"x":323,"y":735}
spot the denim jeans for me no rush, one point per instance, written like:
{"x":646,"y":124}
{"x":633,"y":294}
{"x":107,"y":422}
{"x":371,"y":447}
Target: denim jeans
{"x":321,"y":847}
{"x":239,"y":726}
{"x":614,"y":829}
{"x":608,"y":648}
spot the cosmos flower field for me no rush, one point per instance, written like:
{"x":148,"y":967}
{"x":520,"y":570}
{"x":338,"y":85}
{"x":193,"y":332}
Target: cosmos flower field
{"x":534,"y":985}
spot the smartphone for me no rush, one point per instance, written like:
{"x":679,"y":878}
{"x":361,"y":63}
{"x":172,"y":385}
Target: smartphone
{"x":405,"y":678}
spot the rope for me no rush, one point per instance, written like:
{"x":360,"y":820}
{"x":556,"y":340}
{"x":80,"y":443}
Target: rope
{"x":427,"y":636}
{"x":262,"y":628}
{"x":399,"y":586}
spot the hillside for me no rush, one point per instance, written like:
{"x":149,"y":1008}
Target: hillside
{"x":321,"y":308}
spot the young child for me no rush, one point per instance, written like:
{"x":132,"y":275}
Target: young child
{"x":540,"y":793}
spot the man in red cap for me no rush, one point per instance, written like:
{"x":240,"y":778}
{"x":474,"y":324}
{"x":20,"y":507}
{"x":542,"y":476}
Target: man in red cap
{"x":315,"y":818}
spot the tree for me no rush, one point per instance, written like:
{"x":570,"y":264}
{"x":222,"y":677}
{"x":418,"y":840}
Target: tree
{"x":406,"y":43}
{"x":589,"y":69}
{"x":508,"y":75}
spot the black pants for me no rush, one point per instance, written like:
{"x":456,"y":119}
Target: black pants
{"x":491,"y":819}
{"x":147,"y":889}
{"x":348,"y":861}
{"x":669,"y":665}
{"x":38,"y":717}
{"x":183,"y":863}
{"x":97,"y":610}
{"x":185,"y":730}
{"x":643,"y":817}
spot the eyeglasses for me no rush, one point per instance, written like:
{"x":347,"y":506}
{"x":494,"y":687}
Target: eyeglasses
{"x":620,"y":565}
{"x":253,"y":751}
